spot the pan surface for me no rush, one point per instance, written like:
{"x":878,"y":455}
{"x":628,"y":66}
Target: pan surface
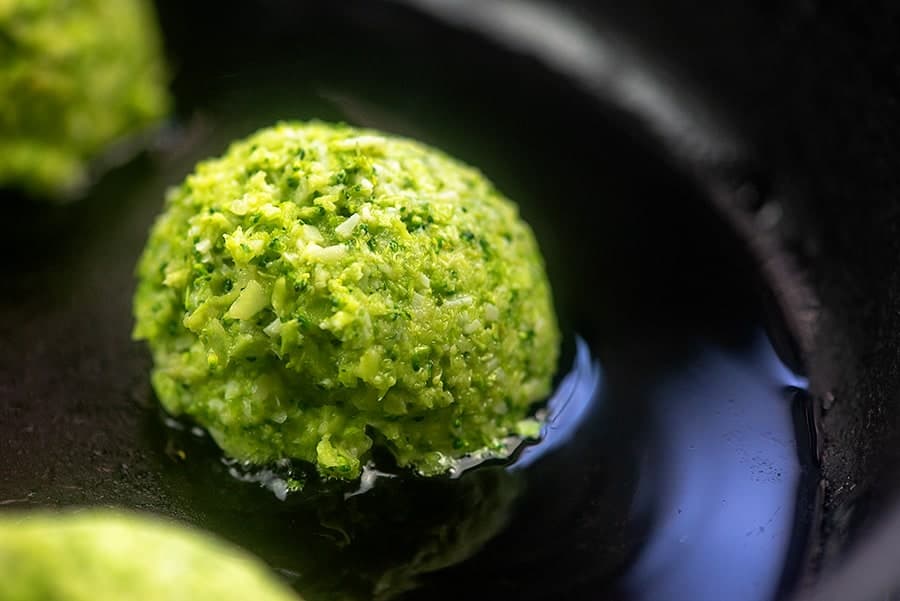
{"x":689,"y":470}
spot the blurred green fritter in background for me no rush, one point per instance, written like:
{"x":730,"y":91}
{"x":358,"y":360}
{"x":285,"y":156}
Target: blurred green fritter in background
{"x":104,"y":555}
{"x":75,"y":76}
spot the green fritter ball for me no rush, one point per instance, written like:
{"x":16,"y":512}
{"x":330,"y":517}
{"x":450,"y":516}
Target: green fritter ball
{"x":320,"y":288}
{"x":75,"y":76}
{"x":102,"y":555}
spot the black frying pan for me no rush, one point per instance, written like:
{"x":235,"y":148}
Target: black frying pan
{"x":713,"y":193}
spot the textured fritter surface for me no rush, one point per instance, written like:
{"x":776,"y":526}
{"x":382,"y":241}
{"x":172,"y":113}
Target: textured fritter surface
{"x":99,"y":556}
{"x":75,"y":76}
{"x":322,"y":286}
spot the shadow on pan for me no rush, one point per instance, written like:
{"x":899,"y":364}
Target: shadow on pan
{"x":683,"y":248}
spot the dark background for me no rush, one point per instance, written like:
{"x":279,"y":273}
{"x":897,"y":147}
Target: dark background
{"x":815,"y":88}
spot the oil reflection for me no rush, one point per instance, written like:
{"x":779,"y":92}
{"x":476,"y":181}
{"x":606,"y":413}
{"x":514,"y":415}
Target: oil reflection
{"x":719,"y":481}
{"x":578,"y":391}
